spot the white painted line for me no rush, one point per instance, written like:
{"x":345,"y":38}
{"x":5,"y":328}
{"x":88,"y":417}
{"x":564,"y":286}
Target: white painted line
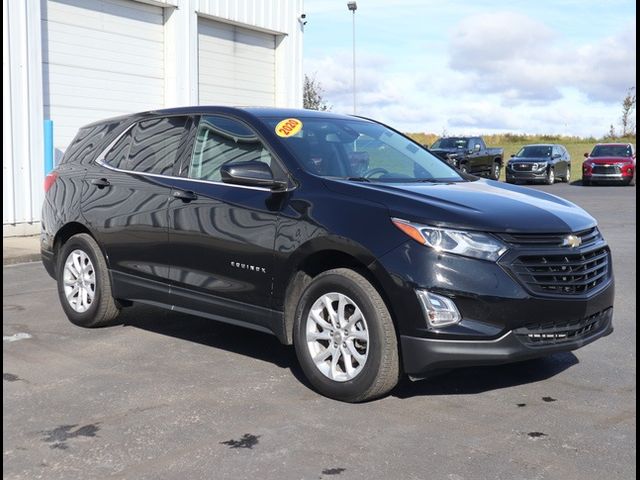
{"x":15,"y":337}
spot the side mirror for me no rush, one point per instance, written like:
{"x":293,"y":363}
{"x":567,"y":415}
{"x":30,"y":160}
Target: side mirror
{"x":586,"y":155}
{"x":251,"y":174}
{"x":513,"y":155}
{"x":476,"y":148}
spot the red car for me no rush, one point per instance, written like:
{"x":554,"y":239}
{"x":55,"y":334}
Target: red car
{"x":610,"y":162}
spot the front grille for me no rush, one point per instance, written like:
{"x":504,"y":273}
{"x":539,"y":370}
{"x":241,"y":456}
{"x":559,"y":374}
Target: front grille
{"x":563,"y":274}
{"x":523,"y":167}
{"x":551,"y":333}
{"x":606,"y":170}
{"x":587,"y":237}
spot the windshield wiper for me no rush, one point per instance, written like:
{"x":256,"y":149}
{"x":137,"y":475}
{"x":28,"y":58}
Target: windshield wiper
{"x":358,"y":179}
{"x":433,"y":180}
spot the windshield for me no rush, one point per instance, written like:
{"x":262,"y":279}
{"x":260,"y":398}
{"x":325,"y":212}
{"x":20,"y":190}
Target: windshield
{"x":611,"y":151}
{"x":450,"y":142}
{"x":534,"y":151}
{"x":359,"y":150}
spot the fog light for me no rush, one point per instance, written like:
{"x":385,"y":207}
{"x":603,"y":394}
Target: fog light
{"x":440,"y":311}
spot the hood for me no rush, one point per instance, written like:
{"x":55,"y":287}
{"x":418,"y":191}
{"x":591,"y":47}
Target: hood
{"x":447,"y":150}
{"x":483,"y":205}
{"x":444,"y":153}
{"x":530,"y":159}
{"x":608,"y":160}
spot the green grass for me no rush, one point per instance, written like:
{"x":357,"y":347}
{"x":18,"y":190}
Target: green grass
{"x":511,"y":143}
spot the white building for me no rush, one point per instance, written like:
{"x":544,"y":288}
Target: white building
{"x":77,"y":61}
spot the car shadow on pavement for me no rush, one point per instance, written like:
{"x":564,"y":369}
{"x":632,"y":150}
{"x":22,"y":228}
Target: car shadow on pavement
{"x":473,"y":380}
{"x":265,"y":347}
{"x":211,"y":333}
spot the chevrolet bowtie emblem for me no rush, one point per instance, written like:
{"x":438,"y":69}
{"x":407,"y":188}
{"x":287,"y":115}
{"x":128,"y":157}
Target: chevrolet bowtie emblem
{"x":571,"y":241}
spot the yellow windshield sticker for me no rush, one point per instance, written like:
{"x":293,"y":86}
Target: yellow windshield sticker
{"x":288,"y":127}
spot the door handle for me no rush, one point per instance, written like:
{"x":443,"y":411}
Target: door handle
{"x":101,"y":182}
{"x":185,"y":195}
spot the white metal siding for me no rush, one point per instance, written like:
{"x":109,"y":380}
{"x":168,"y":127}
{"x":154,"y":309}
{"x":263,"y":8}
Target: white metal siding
{"x":277,"y":16}
{"x":84,"y":60}
{"x":101,"y":58}
{"x":22,"y":143}
{"x":236,"y":66}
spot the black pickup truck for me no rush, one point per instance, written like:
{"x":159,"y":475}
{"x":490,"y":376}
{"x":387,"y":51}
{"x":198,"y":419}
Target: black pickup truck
{"x":470,"y":154}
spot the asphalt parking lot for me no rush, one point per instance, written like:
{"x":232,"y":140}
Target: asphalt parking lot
{"x":168,"y":396}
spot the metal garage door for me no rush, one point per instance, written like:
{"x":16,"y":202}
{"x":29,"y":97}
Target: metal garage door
{"x":100,"y":58}
{"x":236,"y":66}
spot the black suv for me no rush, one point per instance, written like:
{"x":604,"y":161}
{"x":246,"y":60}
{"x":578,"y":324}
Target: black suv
{"x":337,"y":234}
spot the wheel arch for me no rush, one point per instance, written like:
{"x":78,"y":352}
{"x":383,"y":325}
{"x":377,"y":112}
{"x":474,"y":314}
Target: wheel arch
{"x":67,"y":231}
{"x":318,"y":257}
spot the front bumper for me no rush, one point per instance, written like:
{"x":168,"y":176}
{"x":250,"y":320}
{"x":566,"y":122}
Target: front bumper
{"x":422,"y":355}
{"x":607,"y":177}
{"x":529,"y":175}
{"x":494,"y":302}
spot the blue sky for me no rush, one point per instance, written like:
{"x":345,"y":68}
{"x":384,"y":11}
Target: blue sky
{"x":483,"y":66}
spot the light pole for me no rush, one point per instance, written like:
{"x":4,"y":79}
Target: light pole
{"x":353,"y":6}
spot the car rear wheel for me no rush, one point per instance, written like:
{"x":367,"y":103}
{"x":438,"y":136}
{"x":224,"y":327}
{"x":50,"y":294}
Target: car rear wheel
{"x":495,"y":171}
{"x":345,"y":339}
{"x":551,"y":176}
{"x":84,"y":286}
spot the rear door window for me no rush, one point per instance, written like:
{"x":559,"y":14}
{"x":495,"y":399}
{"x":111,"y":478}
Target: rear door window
{"x":155,"y":145}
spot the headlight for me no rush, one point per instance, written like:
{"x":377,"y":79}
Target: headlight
{"x":459,"y":242}
{"x":540,"y":166}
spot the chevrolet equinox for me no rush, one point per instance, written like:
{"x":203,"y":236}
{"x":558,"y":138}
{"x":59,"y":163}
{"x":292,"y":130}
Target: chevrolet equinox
{"x":336,"y":234}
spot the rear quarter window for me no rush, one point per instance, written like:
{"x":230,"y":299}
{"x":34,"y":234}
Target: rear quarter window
{"x":87,"y":143}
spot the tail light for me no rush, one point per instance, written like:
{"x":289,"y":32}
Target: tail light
{"x":49,"y":180}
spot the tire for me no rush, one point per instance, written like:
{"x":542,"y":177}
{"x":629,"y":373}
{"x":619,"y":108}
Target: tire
{"x":495,"y":171}
{"x":586,"y":182}
{"x":567,"y":177}
{"x":464,"y":169}
{"x":379,"y":372}
{"x":551,"y":176}
{"x":102,"y":309}
{"x":511,"y":181}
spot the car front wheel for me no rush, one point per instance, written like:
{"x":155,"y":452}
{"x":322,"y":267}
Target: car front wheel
{"x":551,"y":176}
{"x":345,"y":339}
{"x":84,"y":286}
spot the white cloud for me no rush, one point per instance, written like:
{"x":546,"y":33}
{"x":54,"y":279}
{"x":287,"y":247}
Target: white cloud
{"x":501,"y":72}
{"x":522,"y":59}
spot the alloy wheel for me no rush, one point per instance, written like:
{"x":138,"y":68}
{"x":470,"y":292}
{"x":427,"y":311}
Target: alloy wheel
{"x":79,"y":278}
{"x":337,"y":337}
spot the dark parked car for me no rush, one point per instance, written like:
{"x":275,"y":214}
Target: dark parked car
{"x":610,"y":163}
{"x":470,"y":155}
{"x":336,"y":234}
{"x":539,"y":163}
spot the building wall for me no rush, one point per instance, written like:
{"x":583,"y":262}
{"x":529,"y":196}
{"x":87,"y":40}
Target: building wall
{"x":24,"y":83}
